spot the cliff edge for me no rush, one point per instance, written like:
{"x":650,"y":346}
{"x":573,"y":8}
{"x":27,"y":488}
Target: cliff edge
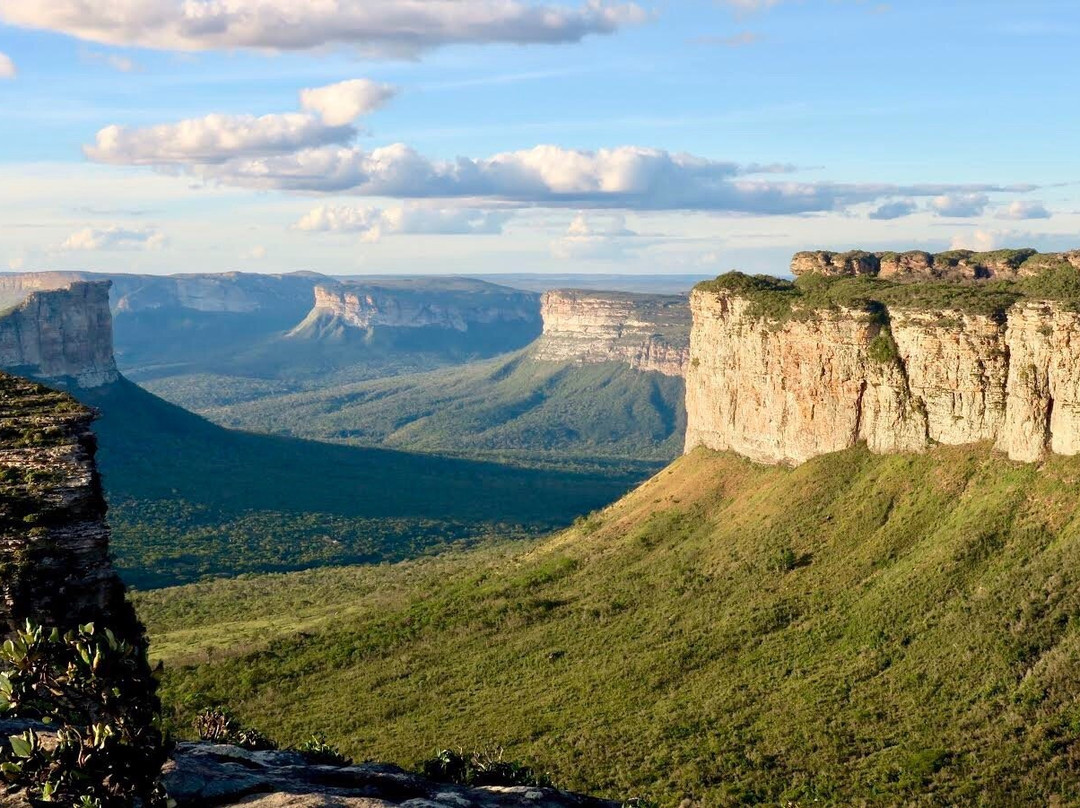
{"x":783,"y":372}
{"x":647,"y":332}
{"x":61,"y":335}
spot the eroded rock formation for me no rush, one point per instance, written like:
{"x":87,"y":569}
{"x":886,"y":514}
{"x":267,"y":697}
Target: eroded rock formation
{"x":916,"y":265}
{"x":54,"y":540}
{"x":61,"y":334}
{"x":649,"y":332}
{"x":783,"y":390}
{"x":453,"y":304}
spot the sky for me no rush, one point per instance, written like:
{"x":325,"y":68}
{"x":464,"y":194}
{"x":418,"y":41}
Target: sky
{"x":473,"y":136}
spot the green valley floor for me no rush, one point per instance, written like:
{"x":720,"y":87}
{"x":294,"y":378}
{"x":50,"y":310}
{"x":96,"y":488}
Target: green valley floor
{"x":860,"y":630}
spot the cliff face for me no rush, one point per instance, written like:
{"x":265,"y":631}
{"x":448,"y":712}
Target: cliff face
{"x":54,"y":541}
{"x":783,"y":391}
{"x":453,"y":304}
{"x":916,"y":265}
{"x":62,"y":334}
{"x":648,"y":332}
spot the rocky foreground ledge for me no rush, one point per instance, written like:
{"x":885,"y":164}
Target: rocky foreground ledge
{"x":202,"y":774}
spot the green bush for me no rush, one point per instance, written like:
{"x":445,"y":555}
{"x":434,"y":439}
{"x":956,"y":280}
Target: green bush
{"x":481,"y":768}
{"x":316,"y":750}
{"x":98,"y":693}
{"x":218,"y":725}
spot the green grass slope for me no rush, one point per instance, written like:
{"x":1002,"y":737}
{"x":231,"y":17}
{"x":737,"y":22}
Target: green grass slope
{"x":190,"y":498}
{"x":860,"y":630}
{"x":512,"y":407}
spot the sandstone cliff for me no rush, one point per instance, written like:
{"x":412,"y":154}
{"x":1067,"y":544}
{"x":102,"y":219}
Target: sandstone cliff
{"x":61,"y":335}
{"x":784,"y":387}
{"x":54,"y":541}
{"x":916,"y":265}
{"x":648,"y":332}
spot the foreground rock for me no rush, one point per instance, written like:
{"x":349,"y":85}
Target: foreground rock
{"x":202,"y":774}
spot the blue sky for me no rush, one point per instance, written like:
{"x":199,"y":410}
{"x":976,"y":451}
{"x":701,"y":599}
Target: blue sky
{"x":683,"y":136}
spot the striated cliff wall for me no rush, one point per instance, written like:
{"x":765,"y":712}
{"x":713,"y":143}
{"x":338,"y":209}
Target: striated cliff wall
{"x":785,"y":389}
{"x":916,"y":265}
{"x":450,"y":304}
{"x":648,"y":332}
{"x":62,"y":335}
{"x":54,"y":541}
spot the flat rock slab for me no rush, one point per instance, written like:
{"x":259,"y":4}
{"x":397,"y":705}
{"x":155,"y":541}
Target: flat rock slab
{"x":205,"y":775}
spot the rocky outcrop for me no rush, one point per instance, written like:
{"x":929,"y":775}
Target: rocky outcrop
{"x":783,"y":390}
{"x":54,"y":540}
{"x":648,"y":332}
{"x":225,"y":292}
{"x":61,"y":335}
{"x":202,"y":774}
{"x":916,"y":265}
{"x":453,"y":304}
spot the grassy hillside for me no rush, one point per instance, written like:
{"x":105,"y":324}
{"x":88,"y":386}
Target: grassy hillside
{"x":191,"y":499}
{"x":512,"y":407}
{"x":861,"y":630}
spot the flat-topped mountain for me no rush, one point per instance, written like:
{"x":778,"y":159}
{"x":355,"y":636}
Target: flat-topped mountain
{"x":648,"y":332}
{"x":781,"y":372}
{"x":917,"y":265}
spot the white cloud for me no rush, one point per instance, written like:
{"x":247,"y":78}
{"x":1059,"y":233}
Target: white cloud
{"x":7,"y":67}
{"x":256,"y":253}
{"x":114,"y":238}
{"x":978,"y":240}
{"x":1019,"y":211}
{"x":587,"y":240}
{"x":373,"y":223}
{"x":342,"y":103}
{"x":379,"y":27}
{"x":214,"y":139}
{"x":960,"y":205}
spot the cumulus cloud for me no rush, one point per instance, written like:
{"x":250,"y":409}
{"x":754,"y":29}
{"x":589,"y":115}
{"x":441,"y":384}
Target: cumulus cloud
{"x":373,"y":223}
{"x":214,"y":139}
{"x":894,"y":210}
{"x":587,"y":240}
{"x":960,"y":205}
{"x":342,"y":103}
{"x":114,"y":238}
{"x":7,"y":67}
{"x":256,"y":253}
{"x":379,"y":27}
{"x":1019,"y":211}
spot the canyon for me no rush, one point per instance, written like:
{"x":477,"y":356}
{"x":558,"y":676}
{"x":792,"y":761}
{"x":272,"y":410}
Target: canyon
{"x":784,"y":386}
{"x":647,"y":332}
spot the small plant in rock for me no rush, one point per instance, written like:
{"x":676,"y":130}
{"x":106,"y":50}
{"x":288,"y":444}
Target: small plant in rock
{"x":481,"y":768}
{"x":218,"y":725}
{"x":316,"y":750}
{"x":98,"y":741}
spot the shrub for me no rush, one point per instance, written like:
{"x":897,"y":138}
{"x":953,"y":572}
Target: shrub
{"x":218,"y":725}
{"x":481,"y":768}
{"x":316,"y":750}
{"x":98,"y":693}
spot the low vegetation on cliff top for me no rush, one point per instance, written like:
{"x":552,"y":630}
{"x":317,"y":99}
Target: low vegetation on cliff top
{"x":884,"y":629}
{"x":779,"y":299}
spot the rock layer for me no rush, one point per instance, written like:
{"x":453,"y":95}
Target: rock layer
{"x":783,"y":391}
{"x":453,"y":304}
{"x":916,"y":265}
{"x":61,"y":335}
{"x":54,"y":540}
{"x":648,"y":332}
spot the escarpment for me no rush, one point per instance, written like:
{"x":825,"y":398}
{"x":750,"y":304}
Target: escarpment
{"x":648,"y":332}
{"x":54,"y":540}
{"x":781,"y":374}
{"x":62,"y":335}
{"x":917,"y":265}
{"x":452,"y":304}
